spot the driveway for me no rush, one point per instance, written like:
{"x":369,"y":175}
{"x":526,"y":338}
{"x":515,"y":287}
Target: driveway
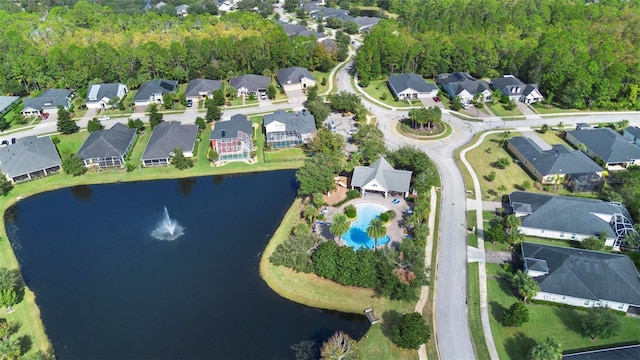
{"x":527,"y":111}
{"x":429,"y":102}
{"x":296,"y":95}
{"x":533,"y":135}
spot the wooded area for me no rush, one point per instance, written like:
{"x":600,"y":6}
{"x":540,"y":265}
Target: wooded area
{"x":582,"y":54}
{"x":90,"y":43}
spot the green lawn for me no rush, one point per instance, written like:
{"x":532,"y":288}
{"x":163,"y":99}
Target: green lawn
{"x":128,"y":106}
{"x":475,"y":322}
{"x":561,"y":323}
{"x":552,"y":109}
{"x":318,"y":76}
{"x":551,"y":137}
{"x":498,"y":110}
{"x":290,"y":154}
{"x":312,"y":290}
{"x":238,"y":101}
{"x":378,"y":89}
{"x":70,"y":144}
{"x":481,"y":159}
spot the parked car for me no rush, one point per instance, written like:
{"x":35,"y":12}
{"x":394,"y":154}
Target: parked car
{"x":44,"y":116}
{"x":436,"y":98}
{"x":104,"y":118}
{"x":263,"y":96}
{"x":4,"y":143}
{"x":189,"y":103}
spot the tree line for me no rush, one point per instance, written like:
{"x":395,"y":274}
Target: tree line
{"x":581,"y":55}
{"x":70,"y":48}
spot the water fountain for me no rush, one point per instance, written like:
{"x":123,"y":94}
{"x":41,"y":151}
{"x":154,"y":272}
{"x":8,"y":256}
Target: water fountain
{"x":167,"y":229}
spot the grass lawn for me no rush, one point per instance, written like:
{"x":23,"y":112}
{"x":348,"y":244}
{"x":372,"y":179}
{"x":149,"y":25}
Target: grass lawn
{"x":238,"y":101}
{"x":481,"y":159}
{"x":427,"y":311}
{"x":318,"y":76}
{"x":312,"y":290}
{"x":128,"y":106}
{"x":472,"y":238}
{"x":552,"y":109}
{"x":378,"y":89}
{"x":561,"y":323}
{"x":498,"y":110}
{"x":290,"y":154}
{"x":475,"y":322}
{"x":70,"y":144}
{"x":551,"y":137}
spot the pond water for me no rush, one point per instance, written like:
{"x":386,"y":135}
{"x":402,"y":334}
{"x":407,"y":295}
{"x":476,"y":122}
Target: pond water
{"x":107,"y":289}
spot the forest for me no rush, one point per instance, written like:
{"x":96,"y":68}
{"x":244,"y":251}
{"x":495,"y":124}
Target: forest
{"x":90,"y":43}
{"x":582,"y":54}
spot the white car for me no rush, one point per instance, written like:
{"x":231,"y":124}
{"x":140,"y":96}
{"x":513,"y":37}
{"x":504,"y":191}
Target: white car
{"x":104,"y":118}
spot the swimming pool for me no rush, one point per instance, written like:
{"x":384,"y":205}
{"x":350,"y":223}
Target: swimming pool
{"x":357,"y":237}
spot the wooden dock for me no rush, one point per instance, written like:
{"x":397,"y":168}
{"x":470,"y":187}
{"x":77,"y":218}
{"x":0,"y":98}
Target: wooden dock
{"x":371,"y":316}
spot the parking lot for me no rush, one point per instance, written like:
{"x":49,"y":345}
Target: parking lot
{"x":343,"y":125}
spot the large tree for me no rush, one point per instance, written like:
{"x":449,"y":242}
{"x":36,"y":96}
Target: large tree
{"x":155,"y":117}
{"x":340,"y":346}
{"x":94,"y":125}
{"x":370,"y":142}
{"x":72,"y":164}
{"x":411,"y":332}
{"x":316,"y":175}
{"x":339,"y":225}
{"x":516,"y":315}
{"x":5,"y":185}
{"x":525,"y":285}
{"x":65,"y":124}
{"x":601,"y":322}
{"x":180,"y":161}
{"x":548,"y":349}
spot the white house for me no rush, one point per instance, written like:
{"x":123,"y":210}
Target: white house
{"x":464,"y":86}
{"x":295,"y":78}
{"x":582,"y":278}
{"x":516,"y":90}
{"x":411,"y":86}
{"x":381,"y":177}
{"x":100,"y":96}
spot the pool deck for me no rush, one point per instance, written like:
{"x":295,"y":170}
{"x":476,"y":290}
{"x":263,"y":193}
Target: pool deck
{"x":395,"y":230}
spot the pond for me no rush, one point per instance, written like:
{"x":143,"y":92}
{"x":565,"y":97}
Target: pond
{"x":107,"y":289}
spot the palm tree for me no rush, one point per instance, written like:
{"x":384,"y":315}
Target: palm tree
{"x":340,"y":225}
{"x":511,"y":223}
{"x":310,"y":213}
{"x":376,"y":230}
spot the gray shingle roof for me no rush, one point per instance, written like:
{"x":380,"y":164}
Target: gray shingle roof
{"x":586,"y":274}
{"x":27,"y":155}
{"x":299,"y":30}
{"x":630,"y":352}
{"x":388,"y":177}
{"x":111,"y":142}
{"x":102,"y":91}
{"x":197,"y":86}
{"x":251,"y":82}
{"x":402,"y":82}
{"x":168,"y":136}
{"x":459,"y":81}
{"x":7,"y":101}
{"x":509,"y":85}
{"x":50,"y":98}
{"x":558,"y":160}
{"x":633,"y":130}
{"x":607,"y":144}
{"x":302,"y":122}
{"x":293,"y":75}
{"x":155,"y":86}
{"x":568,"y":214}
{"x":367,"y":21}
{"x":231,"y":127}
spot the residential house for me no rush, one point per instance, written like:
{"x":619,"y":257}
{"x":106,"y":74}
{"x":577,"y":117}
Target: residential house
{"x":582,"y":126}
{"x":47,"y":100}
{"x":329,"y":44}
{"x":516,"y":90}
{"x":232,"y":139}
{"x":381,"y":177}
{"x":605,"y":145}
{"x":366,"y":22}
{"x":411,"y":86}
{"x":627,"y":352}
{"x":225,"y":6}
{"x":581,"y":277}
{"x":287,"y":129}
{"x":29,"y":158}
{"x":107,"y":148}
{"x":295,"y":78}
{"x":202,"y":88}
{"x":7,"y":103}
{"x":631,"y":133}
{"x":167,"y":137}
{"x":552,"y":166}
{"x":103,"y":96}
{"x":327,"y":12}
{"x":152,"y":91}
{"x":464,"y":86}
{"x":250,"y":84}
{"x":182,"y":10}
{"x":571,"y":218}
{"x":299,"y":30}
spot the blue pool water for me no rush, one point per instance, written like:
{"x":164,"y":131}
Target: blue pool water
{"x":357,"y":237}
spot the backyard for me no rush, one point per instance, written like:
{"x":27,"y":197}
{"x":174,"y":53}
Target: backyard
{"x":70,"y":144}
{"x":319,"y":76}
{"x":559,"y":322}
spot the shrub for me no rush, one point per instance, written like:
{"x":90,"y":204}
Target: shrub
{"x":411,"y":332}
{"x":350,"y":211}
{"x":526,"y":185}
{"x":592,"y":243}
{"x":392,"y":214}
{"x":491,"y":176}
{"x":516,"y":315}
{"x":130,"y":166}
{"x":384,"y":217}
